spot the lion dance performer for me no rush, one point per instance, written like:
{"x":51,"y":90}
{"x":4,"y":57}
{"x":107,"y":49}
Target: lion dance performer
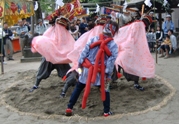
{"x":55,"y":43}
{"x":97,"y":62}
{"x":75,"y":53}
{"x":134,"y":56}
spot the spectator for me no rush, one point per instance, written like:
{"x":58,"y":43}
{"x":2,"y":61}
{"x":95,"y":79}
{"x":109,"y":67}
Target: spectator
{"x":173,"y":45}
{"x":159,"y":35}
{"x":151,"y":39}
{"x":40,"y":28}
{"x":21,"y":32}
{"x":8,"y":47}
{"x":167,"y":25}
{"x":26,"y":23}
{"x":74,"y":30}
{"x":2,"y":53}
{"x":78,"y":22}
{"x":166,"y":47}
{"x":83,"y":26}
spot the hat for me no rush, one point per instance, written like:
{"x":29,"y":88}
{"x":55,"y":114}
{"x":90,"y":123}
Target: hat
{"x":168,"y":16}
{"x":39,"y":20}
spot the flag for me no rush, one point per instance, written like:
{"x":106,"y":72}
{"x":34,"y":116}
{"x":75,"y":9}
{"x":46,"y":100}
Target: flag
{"x":125,"y":5}
{"x":165,"y":2}
{"x":87,"y":11}
{"x":97,"y":8}
{"x":36,"y":6}
{"x":60,"y":2}
{"x":148,"y":3}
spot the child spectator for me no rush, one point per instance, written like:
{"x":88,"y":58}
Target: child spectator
{"x":166,"y":46}
{"x":151,"y":40}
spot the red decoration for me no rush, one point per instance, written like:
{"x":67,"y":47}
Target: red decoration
{"x":144,"y":78}
{"x":24,"y":7}
{"x":13,"y":7}
{"x":1,"y":9}
{"x":64,"y":78}
{"x":119,"y":75}
{"x":94,"y":69}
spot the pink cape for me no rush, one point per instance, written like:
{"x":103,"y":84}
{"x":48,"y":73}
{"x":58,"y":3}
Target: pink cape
{"x":80,"y":44}
{"x":54,"y":45}
{"x":134,"y":55}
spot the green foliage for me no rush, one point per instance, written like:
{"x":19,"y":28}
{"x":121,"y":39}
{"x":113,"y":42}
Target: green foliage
{"x":47,"y":6}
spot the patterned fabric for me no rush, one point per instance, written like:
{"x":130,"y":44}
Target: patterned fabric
{"x":134,"y":55}
{"x":90,"y":54}
{"x":54,"y":44}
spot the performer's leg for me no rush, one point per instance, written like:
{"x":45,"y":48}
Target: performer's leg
{"x":74,"y":97}
{"x":137,"y":86}
{"x":62,"y":69}
{"x":71,"y":80}
{"x":106,"y":105}
{"x":44,"y":72}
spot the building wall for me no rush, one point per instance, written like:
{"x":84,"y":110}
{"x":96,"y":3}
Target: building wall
{"x":175,"y":17}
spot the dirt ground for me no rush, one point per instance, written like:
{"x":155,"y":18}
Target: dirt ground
{"x":16,"y":91}
{"x":46,"y":101}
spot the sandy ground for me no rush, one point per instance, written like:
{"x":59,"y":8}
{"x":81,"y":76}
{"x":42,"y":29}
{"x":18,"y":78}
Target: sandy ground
{"x":167,"y":68}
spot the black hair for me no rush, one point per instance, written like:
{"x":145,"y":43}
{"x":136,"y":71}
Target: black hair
{"x":167,"y":36}
{"x":23,"y":19}
{"x":170,"y":31}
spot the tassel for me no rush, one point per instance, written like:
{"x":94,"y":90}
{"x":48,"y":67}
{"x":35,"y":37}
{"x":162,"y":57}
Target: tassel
{"x":64,"y":78}
{"x":143,"y":78}
{"x":98,"y":56}
{"x":87,"y":88}
{"x":119,"y":75}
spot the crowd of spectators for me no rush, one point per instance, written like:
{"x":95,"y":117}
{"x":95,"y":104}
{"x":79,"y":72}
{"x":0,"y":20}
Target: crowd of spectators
{"x":162,"y":39}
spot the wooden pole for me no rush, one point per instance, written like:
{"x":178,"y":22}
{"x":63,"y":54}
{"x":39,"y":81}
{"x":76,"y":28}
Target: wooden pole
{"x":2,"y":44}
{"x":142,"y":12}
{"x":156,"y":45}
{"x":2,"y":47}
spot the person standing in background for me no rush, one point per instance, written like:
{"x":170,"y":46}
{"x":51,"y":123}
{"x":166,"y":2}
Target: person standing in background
{"x":21,"y":31}
{"x":40,"y":28}
{"x":8,"y":47}
{"x":83,"y":26}
{"x":26,"y":23}
{"x":167,"y":25}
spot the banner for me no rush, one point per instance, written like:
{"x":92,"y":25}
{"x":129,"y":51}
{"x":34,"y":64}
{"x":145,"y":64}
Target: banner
{"x":1,"y":9}
{"x":106,"y":11}
{"x":15,"y":10}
